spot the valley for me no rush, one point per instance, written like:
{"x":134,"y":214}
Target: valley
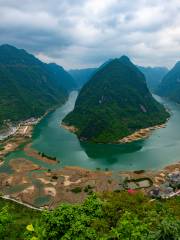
{"x":89,"y":120}
{"x":29,"y":178}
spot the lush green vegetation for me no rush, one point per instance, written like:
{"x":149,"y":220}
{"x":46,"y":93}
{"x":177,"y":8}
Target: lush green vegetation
{"x":64,"y":79}
{"x":76,"y":190}
{"x":170,"y":85}
{"x":14,"y":218}
{"x":109,"y":216}
{"x":29,"y":87}
{"x":115,"y":103}
{"x":47,"y":156}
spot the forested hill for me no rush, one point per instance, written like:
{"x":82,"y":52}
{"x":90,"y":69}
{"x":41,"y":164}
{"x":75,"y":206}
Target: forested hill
{"x":63,"y":78}
{"x":115,"y":103}
{"x":28,"y":87}
{"x":170,"y":85}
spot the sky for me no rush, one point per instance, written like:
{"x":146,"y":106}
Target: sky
{"x":85,"y":33}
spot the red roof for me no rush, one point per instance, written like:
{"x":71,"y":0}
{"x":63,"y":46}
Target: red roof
{"x":131,"y":191}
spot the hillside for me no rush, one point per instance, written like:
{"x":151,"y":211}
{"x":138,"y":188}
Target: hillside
{"x":116,"y":215}
{"x":170,"y":85}
{"x":81,"y":76}
{"x":28,"y":87}
{"x":63,"y":78}
{"x":114,"y":103}
{"x":153,"y":75}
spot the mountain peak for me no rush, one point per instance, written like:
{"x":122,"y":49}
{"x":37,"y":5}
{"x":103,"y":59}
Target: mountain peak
{"x":116,"y":61}
{"x":58,"y":71}
{"x":10,"y":48}
{"x":7,"y":46}
{"x":12,"y":55}
{"x":124,"y":58}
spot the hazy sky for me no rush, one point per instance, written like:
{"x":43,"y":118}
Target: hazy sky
{"x":85,"y":33}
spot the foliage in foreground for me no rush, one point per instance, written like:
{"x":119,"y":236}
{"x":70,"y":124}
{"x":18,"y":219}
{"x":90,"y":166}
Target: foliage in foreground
{"x":14,"y":218}
{"x":108,"y":217}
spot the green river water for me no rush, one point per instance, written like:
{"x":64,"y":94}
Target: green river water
{"x":160,"y":149}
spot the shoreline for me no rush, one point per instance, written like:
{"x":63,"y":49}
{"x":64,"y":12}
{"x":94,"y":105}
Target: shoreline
{"x":141,"y":134}
{"x":22,"y":135}
{"x":71,"y":129}
{"x":60,"y":184}
{"x":39,"y":156}
{"x":136,"y":136}
{"x":32,"y":121}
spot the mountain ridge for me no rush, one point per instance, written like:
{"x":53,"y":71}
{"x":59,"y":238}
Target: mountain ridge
{"x":153,"y":75}
{"x":28,"y":88}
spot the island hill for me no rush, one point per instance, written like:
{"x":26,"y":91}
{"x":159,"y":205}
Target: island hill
{"x":115,"y":103}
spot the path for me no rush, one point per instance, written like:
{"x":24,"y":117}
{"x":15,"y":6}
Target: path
{"x":19,"y":202}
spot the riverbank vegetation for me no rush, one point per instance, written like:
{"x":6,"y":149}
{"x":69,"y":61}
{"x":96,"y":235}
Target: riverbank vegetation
{"x":106,"y":216}
{"x":14,"y":218}
{"x":46,"y":156}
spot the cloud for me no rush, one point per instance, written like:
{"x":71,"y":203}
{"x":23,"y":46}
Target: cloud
{"x":85,"y":33}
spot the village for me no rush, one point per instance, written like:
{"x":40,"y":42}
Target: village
{"x":22,"y":133}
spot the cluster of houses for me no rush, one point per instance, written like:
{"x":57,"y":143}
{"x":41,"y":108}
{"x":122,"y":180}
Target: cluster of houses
{"x":10,"y":129}
{"x":170,"y":188}
{"x":30,"y":121}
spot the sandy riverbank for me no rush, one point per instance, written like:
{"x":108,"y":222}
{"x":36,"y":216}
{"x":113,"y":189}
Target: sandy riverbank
{"x":140,"y":134}
{"x":69,"y":128}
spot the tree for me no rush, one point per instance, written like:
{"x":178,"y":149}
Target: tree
{"x":5,"y":220}
{"x":130,"y":227}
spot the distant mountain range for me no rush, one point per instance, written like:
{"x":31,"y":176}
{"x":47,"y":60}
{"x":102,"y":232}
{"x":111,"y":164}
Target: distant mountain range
{"x":29,"y":87}
{"x":81,"y":76}
{"x":170,"y":85}
{"x":153,"y":75}
{"x":114,"y":103}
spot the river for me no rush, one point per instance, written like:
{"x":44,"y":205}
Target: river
{"x":160,"y":149}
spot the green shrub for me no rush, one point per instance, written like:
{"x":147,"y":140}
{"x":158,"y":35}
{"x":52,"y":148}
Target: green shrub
{"x":76,"y":190}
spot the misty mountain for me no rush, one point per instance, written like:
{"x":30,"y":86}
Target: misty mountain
{"x":154,"y":75}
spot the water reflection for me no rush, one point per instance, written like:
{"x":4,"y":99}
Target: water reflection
{"x":110,"y":151}
{"x":160,"y":149}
